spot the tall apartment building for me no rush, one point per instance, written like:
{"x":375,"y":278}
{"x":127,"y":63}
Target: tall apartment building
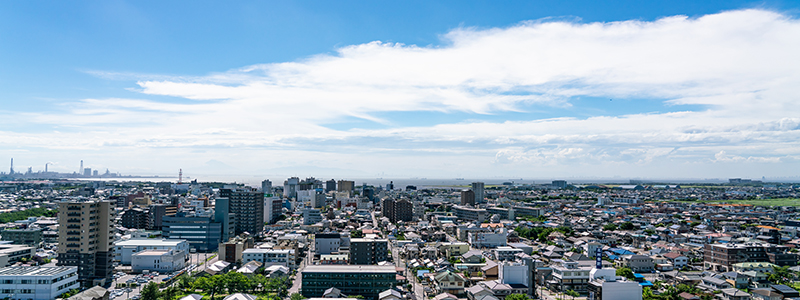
{"x":248,"y":206}
{"x":477,"y":187}
{"x":346,"y":186}
{"x":397,"y":210}
{"x":224,"y":216}
{"x":137,"y":218}
{"x":467,"y":197}
{"x":368,"y":251}
{"x":159,"y":211}
{"x":330,"y":185}
{"x":266,"y":186}
{"x":290,"y":187}
{"x":85,"y":239}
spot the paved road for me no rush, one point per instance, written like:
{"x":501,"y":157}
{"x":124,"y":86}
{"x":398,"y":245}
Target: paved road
{"x":298,"y":278}
{"x":419,"y":293}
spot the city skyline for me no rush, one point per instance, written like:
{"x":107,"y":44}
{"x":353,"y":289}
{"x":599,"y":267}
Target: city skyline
{"x":446,"y":90}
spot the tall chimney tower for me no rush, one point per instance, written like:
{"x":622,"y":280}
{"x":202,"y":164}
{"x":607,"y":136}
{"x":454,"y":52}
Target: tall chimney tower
{"x":81,"y":170}
{"x":12,"y":166}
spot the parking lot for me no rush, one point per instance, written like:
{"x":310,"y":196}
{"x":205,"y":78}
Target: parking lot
{"x":140,"y":280}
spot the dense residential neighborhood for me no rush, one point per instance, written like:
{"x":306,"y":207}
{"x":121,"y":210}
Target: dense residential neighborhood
{"x":310,"y":238}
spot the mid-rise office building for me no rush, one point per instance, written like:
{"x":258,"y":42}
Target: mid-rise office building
{"x":37,"y":283}
{"x":368,"y":251}
{"x":198,"y":228}
{"x":85,"y":239}
{"x":163,"y":261}
{"x":30,"y":237}
{"x":124,"y":250}
{"x":559,"y":184}
{"x":10,"y":253}
{"x":311,"y":216}
{"x":371,"y":280}
{"x":327,"y":243}
{"x":469,"y":213}
{"x":248,"y":206}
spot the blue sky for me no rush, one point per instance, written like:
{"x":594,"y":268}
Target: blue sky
{"x":533,"y":89}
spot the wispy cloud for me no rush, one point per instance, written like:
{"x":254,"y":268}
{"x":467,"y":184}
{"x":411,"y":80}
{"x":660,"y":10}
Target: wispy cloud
{"x":740,"y":65}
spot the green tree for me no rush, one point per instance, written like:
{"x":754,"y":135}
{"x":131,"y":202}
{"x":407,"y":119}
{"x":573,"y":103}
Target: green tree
{"x":185,"y":282}
{"x":296,"y":296}
{"x":210,"y":285}
{"x":150,"y":291}
{"x":625,"y":272}
{"x":572,"y":293}
{"x":170,"y":292}
{"x":626,"y":226}
{"x":517,"y":297}
{"x":236,"y":282}
{"x":647,"y":294}
{"x":610,"y":227}
{"x":780,"y":275}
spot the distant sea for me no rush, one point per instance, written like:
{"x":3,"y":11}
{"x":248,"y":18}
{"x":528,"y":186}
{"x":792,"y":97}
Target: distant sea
{"x":399,"y":183}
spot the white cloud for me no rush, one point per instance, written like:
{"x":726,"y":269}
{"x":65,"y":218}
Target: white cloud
{"x":741,"y":66}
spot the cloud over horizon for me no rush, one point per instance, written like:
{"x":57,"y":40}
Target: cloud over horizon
{"x":675,"y":97}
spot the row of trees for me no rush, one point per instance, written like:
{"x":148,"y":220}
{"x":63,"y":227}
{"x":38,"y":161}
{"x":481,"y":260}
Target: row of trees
{"x":541,"y":233}
{"x":24,"y":214}
{"x":231,"y":282}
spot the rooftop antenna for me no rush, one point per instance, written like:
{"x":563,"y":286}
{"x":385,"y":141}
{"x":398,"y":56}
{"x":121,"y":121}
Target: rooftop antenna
{"x":180,"y":176}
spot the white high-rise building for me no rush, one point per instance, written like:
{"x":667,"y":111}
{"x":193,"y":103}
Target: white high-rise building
{"x":477,"y":188}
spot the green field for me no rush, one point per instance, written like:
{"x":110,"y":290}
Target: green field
{"x":758,"y":202}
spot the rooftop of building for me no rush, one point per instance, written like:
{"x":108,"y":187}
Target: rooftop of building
{"x":151,"y":253}
{"x":35,"y":271}
{"x":349,"y":269}
{"x":150,"y":242}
